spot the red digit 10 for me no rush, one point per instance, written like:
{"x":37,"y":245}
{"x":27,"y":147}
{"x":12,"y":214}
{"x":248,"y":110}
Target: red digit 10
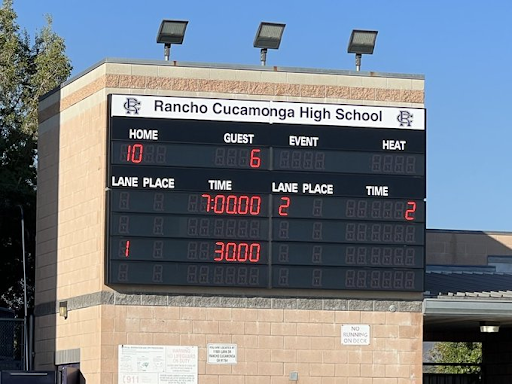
{"x":410,"y":211}
{"x":283,"y":206}
{"x":255,"y":158}
{"x":238,"y":253}
{"x":134,"y":153}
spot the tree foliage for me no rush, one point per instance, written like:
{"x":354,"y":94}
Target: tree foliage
{"x":27,"y":71}
{"x":461,"y":352}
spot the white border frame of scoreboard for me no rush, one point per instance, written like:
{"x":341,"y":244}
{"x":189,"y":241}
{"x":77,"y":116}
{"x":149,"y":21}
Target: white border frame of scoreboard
{"x":272,"y":112}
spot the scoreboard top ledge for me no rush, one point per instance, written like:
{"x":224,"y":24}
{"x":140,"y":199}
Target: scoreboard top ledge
{"x":271,"y":112}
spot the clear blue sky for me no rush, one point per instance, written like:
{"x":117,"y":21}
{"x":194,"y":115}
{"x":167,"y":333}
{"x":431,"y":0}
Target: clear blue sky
{"x":463,"y":47}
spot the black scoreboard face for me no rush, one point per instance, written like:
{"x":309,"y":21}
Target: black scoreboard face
{"x":195,"y":201}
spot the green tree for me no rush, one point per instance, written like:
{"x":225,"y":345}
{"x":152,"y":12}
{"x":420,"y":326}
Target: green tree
{"x":27,"y":71}
{"x":461,"y":352}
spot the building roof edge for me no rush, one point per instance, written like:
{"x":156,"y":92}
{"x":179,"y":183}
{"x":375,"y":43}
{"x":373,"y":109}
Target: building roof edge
{"x":233,"y":67}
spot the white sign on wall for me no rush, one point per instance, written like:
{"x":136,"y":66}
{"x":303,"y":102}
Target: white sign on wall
{"x":157,"y":364}
{"x":355,"y":334}
{"x":222,"y":353}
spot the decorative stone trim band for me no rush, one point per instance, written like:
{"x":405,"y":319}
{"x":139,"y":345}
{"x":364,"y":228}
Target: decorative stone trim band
{"x":325,"y":304}
{"x":234,"y":87}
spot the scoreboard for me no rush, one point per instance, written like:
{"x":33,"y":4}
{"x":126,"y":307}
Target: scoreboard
{"x":258,"y":194}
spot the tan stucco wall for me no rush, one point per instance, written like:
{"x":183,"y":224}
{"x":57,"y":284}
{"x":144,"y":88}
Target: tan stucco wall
{"x":466,"y":247}
{"x":70,"y":245}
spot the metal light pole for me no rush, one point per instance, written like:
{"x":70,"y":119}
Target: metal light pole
{"x":263,"y":56}
{"x":25,"y":332}
{"x":167,"y":51}
{"x":358,"y":62}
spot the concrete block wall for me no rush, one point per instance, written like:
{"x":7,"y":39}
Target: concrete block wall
{"x":274,"y":338}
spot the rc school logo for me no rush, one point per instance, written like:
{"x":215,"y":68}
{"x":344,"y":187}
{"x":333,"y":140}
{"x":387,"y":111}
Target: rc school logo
{"x":405,"y":117}
{"x":132,"y":105}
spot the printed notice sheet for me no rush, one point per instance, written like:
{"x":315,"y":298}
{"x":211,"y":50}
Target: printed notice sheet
{"x":157,"y":364}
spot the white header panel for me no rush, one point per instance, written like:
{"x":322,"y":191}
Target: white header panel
{"x":271,"y":112}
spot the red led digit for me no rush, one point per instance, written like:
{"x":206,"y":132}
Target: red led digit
{"x":255,"y":205}
{"x":219,"y":251}
{"x":134,"y":153}
{"x":243,"y":250}
{"x":231,"y":205}
{"x":255,"y":158}
{"x":411,"y":209}
{"x":254,"y":252}
{"x":138,"y":149}
{"x":218,"y":207}
{"x":231,"y":252}
{"x":243,"y":205}
{"x":208,"y":198}
{"x":283,"y":207}
{"x":127,"y":249}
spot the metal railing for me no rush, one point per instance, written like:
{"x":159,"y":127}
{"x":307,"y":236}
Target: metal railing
{"x":451,"y":378}
{"x":12,"y":344}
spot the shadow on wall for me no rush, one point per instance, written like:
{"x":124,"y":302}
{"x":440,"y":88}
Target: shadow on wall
{"x":445,"y":247}
{"x":468,"y":261}
{"x":45,"y":306}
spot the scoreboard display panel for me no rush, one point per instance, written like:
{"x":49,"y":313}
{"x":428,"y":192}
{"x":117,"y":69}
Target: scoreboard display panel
{"x":255,"y":194}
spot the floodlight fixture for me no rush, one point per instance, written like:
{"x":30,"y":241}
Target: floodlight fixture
{"x":171,"y":32}
{"x":268,"y":36}
{"x":361,"y":43}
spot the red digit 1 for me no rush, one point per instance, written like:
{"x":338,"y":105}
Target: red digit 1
{"x":411,"y":209}
{"x":283,"y":207}
{"x":219,"y":251}
{"x":127,"y":249}
{"x":255,"y":158}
